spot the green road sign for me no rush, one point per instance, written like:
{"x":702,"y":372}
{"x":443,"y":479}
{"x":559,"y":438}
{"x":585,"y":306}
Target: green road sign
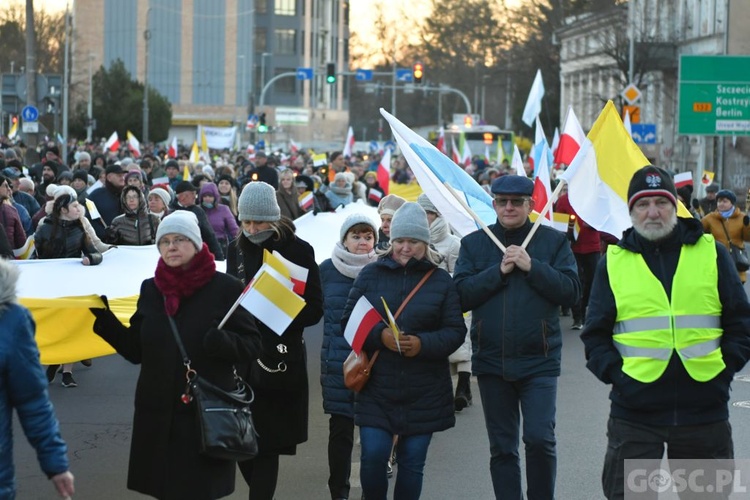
{"x":714,"y":95}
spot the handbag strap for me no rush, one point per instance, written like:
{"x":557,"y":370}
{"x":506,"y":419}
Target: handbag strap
{"x":178,"y":340}
{"x":729,"y":240}
{"x":413,"y":291}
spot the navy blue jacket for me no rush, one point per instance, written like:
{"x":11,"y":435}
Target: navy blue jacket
{"x":674,"y":398}
{"x":24,"y":388}
{"x":107,"y":201}
{"x":408,"y":396}
{"x":515,"y":327}
{"x":337,"y":399}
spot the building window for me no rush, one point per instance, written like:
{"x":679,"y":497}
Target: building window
{"x":261,"y":7}
{"x":285,"y":7}
{"x":285,"y":85}
{"x":286,"y":42}
{"x":260,"y":42}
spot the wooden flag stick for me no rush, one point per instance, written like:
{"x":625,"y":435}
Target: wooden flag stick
{"x":475,"y":216}
{"x":544,"y":211}
{"x":233,"y":308}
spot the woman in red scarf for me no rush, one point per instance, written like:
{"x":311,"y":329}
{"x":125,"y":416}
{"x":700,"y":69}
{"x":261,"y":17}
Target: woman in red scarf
{"x":164,"y":458}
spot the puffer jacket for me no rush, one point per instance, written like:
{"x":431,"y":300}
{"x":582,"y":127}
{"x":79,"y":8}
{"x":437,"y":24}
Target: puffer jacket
{"x":413,"y":395}
{"x":674,"y":398}
{"x":64,"y":239}
{"x":23,"y":388}
{"x":515,"y":329}
{"x":219,"y":216}
{"x":133,"y":227}
{"x":11,"y":223}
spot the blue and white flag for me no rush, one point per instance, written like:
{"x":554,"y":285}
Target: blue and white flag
{"x":432,"y":168}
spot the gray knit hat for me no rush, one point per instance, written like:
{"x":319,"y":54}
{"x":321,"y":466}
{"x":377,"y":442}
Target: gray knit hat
{"x":410,"y":221}
{"x":258,"y":203}
{"x":425,"y":203}
{"x":181,"y":222}
{"x":163,"y":194}
{"x":355,"y":219}
{"x":389,"y":204}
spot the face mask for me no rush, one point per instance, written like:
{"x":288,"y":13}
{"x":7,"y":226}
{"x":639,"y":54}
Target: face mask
{"x":728,"y":213}
{"x":258,"y":237}
{"x":208,"y":205}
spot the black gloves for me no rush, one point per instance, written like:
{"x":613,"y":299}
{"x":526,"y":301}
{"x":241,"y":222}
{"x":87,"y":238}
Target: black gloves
{"x":213,"y":340}
{"x":696,"y":204}
{"x":99,"y":311}
{"x":746,"y":220}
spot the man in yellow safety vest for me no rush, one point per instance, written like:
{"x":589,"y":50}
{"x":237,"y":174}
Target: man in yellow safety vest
{"x":668,"y":325}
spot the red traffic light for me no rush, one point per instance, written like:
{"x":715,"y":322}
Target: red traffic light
{"x":14,"y":119}
{"x":418,"y":72}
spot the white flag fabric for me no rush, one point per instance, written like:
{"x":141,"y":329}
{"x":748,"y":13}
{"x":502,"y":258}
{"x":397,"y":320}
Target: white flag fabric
{"x":534,"y":101}
{"x":363,"y":318}
{"x":218,"y":137}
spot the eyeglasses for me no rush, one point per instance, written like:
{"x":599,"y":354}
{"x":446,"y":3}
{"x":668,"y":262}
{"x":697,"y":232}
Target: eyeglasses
{"x":178,"y":241}
{"x":516,"y":202}
{"x":133,"y":197}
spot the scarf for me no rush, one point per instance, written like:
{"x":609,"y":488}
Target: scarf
{"x":176,"y":283}
{"x":259,"y":237}
{"x":438,"y":230}
{"x":350,"y":264}
{"x":728,"y":213}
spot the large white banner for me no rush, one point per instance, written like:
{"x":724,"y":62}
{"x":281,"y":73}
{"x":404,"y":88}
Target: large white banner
{"x":218,"y":137}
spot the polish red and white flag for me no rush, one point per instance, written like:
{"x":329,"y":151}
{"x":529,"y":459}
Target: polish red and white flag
{"x":362,"y":320}
{"x":571,"y":139}
{"x":172,"y":151}
{"x":113,"y":143}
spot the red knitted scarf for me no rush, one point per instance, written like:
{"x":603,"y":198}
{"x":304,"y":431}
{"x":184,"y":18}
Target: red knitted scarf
{"x":177,"y":283}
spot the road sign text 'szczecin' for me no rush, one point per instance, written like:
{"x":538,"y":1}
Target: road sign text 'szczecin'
{"x":714,"y":95}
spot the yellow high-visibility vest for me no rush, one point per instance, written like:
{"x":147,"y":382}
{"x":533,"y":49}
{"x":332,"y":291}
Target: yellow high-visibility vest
{"x":648,"y":328}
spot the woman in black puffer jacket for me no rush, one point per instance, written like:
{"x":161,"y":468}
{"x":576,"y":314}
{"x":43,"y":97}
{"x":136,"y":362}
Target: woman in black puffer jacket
{"x":409,"y":393}
{"x":136,"y":226}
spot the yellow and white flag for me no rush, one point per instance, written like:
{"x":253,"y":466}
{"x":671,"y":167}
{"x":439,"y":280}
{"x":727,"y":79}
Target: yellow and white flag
{"x":93,"y":211}
{"x":26,"y":251}
{"x":272,"y":303}
{"x":392,"y":324}
{"x":194,"y":154}
{"x":13,"y":130}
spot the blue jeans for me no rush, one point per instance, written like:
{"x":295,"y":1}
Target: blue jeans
{"x":376,"y":450}
{"x":536,"y":399}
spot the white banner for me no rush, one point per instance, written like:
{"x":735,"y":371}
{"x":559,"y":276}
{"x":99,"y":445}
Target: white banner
{"x":218,"y":137}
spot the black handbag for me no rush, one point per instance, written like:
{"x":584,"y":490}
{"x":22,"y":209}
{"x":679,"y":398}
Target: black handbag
{"x":739,"y":254}
{"x":225,"y":421}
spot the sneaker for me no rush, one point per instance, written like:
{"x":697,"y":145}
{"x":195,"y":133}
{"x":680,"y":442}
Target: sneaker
{"x":52,"y":372}
{"x":577,"y":326}
{"x":67,"y":380}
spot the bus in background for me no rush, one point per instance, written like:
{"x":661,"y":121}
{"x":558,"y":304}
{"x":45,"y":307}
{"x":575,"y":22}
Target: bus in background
{"x":466,"y":129}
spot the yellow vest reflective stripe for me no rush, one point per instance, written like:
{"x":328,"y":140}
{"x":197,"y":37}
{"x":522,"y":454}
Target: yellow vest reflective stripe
{"x":648,"y":331}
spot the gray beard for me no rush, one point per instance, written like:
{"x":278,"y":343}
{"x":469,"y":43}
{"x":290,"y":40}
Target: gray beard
{"x":656,"y":234}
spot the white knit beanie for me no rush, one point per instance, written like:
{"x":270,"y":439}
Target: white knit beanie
{"x":389,"y":204}
{"x":410,"y":221}
{"x":258,"y":203}
{"x":161,"y":193}
{"x":355,"y":219}
{"x":181,"y":222}
{"x":57,"y":190}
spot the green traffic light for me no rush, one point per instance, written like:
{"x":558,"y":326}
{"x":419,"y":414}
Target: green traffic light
{"x":262,"y":129}
{"x":330,"y":79}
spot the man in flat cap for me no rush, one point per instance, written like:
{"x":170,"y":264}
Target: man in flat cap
{"x":515,"y":297}
{"x":668,"y":327}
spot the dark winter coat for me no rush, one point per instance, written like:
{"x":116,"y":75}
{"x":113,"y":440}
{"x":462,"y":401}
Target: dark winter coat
{"x":64,"y":239}
{"x":23,"y":389}
{"x":674,"y":398}
{"x":107,"y":201}
{"x":133,"y":227}
{"x":281,"y":399}
{"x":11,"y":221}
{"x":5,"y":249}
{"x":408,"y":396}
{"x":289,"y":203}
{"x":515,"y":326}
{"x":164,"y":459}
{"x":266,"y":174}
{"x":337,"y":399}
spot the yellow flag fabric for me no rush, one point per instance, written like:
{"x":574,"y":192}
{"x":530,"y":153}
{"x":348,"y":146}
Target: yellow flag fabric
{"x":599,"y":176}
{"x":194,"y":155}
{"x":409,"y":192}
{"x":272,"y":303}
{"x":276,"y":264}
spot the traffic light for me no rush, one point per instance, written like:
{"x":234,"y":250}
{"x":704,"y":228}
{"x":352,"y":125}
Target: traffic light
{"x":262,"y":127}
{"x":418,"y":72}
{"x":331,"y":73}
{"x":467,"y":121}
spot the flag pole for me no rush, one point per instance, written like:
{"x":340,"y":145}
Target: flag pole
{"x":542,"y":214}
{"x":475,"y":216}
{"x":232,"y":309}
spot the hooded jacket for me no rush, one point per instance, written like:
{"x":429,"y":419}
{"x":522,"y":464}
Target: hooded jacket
{"x":219,"y":216}
{"x":23,"y":388}
{"x":133,"y":227}
{"x":64,"y":239}
{"x":674,"y":398}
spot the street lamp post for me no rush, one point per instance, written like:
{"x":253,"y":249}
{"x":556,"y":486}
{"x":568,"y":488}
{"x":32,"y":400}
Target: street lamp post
{"x":90,"y":106}
{"x":146,"y":37}
{"x":263,"y":68}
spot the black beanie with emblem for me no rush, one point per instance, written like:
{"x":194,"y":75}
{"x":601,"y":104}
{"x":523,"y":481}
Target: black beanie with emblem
{"x":651,"y":181}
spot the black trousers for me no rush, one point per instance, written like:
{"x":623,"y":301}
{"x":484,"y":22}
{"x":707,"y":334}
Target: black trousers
{"x":340,"y":444}
{"x":632,"y":440}
{"x":586,"y":263}
{"x":261,"y":475}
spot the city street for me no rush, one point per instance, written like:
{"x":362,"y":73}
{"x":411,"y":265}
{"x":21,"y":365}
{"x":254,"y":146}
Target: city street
{"x":96,"y":422}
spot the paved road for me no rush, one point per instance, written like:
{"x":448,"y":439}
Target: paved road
{"x":96,"y":418}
